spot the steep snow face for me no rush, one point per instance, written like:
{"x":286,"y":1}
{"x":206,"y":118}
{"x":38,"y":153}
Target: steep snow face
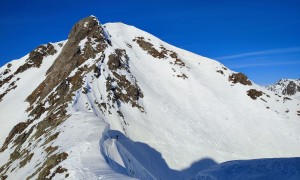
{"x":194,"y":108}
{"x":289,"y":87}
{"x":118,"y":102}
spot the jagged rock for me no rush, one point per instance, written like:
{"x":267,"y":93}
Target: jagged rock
{"x":220,"y":71}
{"x":97,"y":71}
{"x":254,"y":94}
{"x":71,"y":55}
{"x":239,"y":78}
{"x":183,"y":76}
{"x":36,"y":57}
{"x":4,"y":81}
{"x":50,"y":163}
{"x":59,"y":170}
{"x":10,"y":87}
{"x":26,"y":160}
{"x":119,"y":61}
{"x":178,"y":61}
{"x":17,"y":129}
{"x":6,"y":71}
{"x":288,"y":87}
{"x":291,"y":89}
{"x":147,"y":46}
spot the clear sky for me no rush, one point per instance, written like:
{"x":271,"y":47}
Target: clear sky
{"x":260,"y":38}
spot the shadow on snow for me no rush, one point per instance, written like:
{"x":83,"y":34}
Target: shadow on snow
{"x":141,"y":161}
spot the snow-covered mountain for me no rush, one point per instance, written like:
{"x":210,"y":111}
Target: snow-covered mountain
{"x":290,"y":87}
{"x":114,"y":102}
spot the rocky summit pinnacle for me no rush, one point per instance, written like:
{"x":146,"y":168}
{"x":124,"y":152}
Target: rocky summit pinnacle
{"x":85,"y":27}
{"x":85,"y":40}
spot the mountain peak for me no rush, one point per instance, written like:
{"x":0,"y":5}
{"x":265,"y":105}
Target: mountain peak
{"x":286,"y":87}
{"x":85,"y":27}
{"x":86,"y":40}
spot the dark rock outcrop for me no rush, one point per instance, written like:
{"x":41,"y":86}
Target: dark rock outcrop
{"x":291,"y":89}
{"x":36,"y":57}
{"x":72,"y":55}
{"x":17,"y":129}
{"x":126,"y":90}
{"x":288,"y":87}
{"x":147,"y":46}
{"x":254,"y":94}
{"x":239,"y":78}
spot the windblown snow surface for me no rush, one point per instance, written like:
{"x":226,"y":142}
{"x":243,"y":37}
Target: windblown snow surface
{"x":188,"y":125}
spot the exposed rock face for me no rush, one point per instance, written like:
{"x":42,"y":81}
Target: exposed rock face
{"x":17,"y":129}
{"x":10,"y":87}
{"x":86,"y":40}
{"x":160,"y":54}
{"x":72,"y":55}
{"x":239,"y":78}
{"x":36,"y":57}
{"x":220,"y":71}
{"x":286,"y":87}
{"x":118,"y":60}
{"x":177,"y":61}
{"x":147,"y":46}
{"x":254,"y":94}
{"x":126,"y":90}
{"x":291,"y":89}
{"x":4,"y":81}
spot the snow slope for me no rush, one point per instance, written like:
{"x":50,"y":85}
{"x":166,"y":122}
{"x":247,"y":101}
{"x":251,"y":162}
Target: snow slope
{"x":146,"y":110}
{"x":207,"y":112}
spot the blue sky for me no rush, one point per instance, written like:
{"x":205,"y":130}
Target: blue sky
{"x":259,"y":38}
